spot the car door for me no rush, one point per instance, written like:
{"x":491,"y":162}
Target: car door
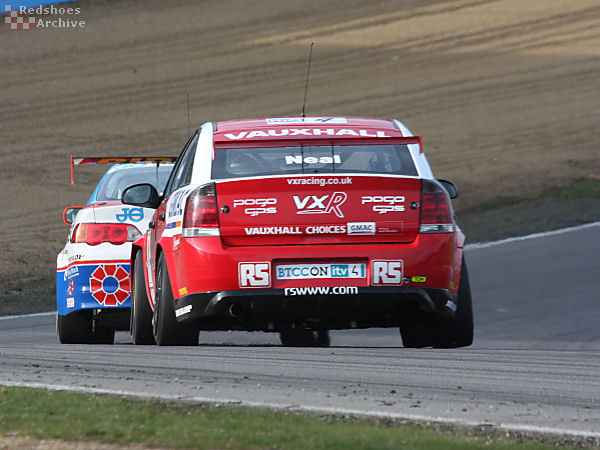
{"x":178,"y":177}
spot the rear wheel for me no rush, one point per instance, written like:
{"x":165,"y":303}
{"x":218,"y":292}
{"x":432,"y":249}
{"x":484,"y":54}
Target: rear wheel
{"x":323,"y":339}
{"x":141,"y":313}
{"x":457,"y":331}
{"x":416,"y":333}
{"x":305,"y":338}
{"x":166,"y":329}
{"x":104,"y":335}
{"x":78,"y":328}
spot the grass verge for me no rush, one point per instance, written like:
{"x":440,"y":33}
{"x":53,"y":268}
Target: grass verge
{"x":70,"y":416}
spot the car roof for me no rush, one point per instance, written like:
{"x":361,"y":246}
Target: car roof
{"x":257,"y":131}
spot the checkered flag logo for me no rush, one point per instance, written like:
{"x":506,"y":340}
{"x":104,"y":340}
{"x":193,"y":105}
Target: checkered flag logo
{"x":15,"y":20}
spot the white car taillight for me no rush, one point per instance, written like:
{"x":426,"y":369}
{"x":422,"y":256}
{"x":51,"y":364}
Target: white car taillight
{"x":436,"y":211}
{"x":201,"y":217}
{"x":97,"y":233}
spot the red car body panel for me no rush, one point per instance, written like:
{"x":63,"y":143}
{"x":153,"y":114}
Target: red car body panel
{"x":276,"y":128}
{"x":280,"y":232}
{"x":319,"y":212}
{"x":207,"y":265}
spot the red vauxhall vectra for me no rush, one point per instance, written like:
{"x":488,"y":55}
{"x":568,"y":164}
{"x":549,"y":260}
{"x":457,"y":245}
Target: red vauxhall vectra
{"x":300,"y":225}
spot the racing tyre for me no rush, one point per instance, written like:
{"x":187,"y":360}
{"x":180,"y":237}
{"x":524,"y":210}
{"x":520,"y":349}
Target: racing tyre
{"x":166,"y":330}
{"x":323,"y":339}
{"x":416,"y":333}
{"x":103,"y":335}
{"x":78,"y":328}
{"x":457,"y":331}
{"x":141,"y":313}
{"x":305,"y":338}
{"x":75,"y":328}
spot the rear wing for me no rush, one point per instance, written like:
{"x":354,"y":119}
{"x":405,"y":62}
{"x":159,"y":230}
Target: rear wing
{"x":83,"y":160}
{"x":245,"y":140}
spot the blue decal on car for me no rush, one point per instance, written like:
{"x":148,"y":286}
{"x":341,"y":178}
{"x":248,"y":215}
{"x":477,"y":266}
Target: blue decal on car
{"x":133,"y":214}
{"x":93,"y":286}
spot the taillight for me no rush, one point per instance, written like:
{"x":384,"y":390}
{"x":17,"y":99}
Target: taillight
{"x":436,"y":211}
{"x":96,"y":233}
{"x":201,"y":217}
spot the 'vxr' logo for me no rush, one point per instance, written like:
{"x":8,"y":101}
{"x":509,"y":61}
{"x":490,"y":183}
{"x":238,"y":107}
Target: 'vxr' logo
{"x":319,"y":205}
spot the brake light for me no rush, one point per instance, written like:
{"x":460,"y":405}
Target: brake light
{"x":436,"y":210}
{"x":201,"y":216}
{"x":96,"y":233}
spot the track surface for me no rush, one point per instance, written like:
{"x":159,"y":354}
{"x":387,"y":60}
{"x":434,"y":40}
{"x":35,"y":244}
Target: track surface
{"x":534,"y":365}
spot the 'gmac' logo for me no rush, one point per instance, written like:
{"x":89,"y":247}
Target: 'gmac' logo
{"x":325,"y":204}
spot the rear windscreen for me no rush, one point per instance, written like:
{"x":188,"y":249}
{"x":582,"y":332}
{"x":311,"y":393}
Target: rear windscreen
{"x":372,"y":159}
{"x":114,"y":183}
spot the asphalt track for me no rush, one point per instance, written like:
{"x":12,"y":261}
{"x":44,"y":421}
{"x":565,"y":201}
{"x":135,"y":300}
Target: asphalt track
{"x":534,"y":365}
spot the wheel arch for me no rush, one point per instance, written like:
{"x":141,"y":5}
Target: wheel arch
{"x":171,"y":268}
{"x":137,"y":246}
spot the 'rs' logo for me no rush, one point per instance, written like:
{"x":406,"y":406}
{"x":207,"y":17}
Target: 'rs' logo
{"x":313,"y":204}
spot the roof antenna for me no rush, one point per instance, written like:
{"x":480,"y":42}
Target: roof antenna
{"x":188,"y":114}
{"x":156,"y":174}
{"x":307,"y":75}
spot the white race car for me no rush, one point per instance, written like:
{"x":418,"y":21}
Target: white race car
{"x":92,"y":275}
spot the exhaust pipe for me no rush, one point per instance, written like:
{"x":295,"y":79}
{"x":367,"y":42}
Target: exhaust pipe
{"x":236,"y":311}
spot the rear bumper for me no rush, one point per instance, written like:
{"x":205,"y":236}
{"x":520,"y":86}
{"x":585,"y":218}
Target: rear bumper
{"x":205,"y":264}
{"x":84,"y":285}
{"x":321,"y":308}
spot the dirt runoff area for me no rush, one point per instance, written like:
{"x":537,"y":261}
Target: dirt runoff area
{"x":505,"y":93}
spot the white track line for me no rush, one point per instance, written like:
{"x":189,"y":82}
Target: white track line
{"x":478,"y":245}
{"x":474,"y":246}
{"x":49,"y":313}
{"x":308,"y":409}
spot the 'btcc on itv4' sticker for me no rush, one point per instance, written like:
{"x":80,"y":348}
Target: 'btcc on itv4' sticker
{"x":316,"y":271}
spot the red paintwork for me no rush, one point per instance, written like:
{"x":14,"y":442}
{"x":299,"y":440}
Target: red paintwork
{"x":206,"y":264}
{"x":105,"y":203}
{"x":227,"y":126}
{"x":100,"y":261}
{"x":355,"y":128}
{"x":401,"y":226}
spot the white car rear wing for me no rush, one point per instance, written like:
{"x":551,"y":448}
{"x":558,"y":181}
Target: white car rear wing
{"x":82,"y":160}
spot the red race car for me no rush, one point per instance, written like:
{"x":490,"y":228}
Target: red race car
{"x":301,"y":225}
